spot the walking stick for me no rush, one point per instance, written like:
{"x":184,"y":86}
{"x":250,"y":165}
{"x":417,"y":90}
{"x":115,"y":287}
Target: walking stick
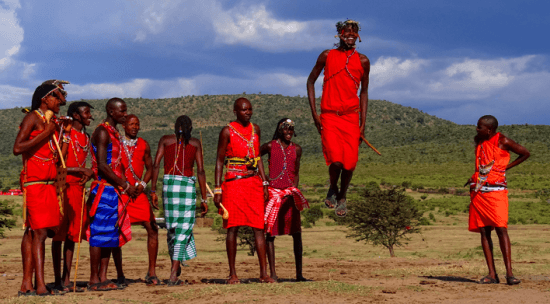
{"x":370,"y":146}
{"x":79,"y":239}
{"x":48,"y":115}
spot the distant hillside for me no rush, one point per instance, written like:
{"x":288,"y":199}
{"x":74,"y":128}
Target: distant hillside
{"x":403,"y":134}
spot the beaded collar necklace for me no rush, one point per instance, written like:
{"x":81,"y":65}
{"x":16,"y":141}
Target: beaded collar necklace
{"x":249,"y":143}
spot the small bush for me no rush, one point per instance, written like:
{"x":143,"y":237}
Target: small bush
{"x":424,"y":196}
{"x":311,"y":215}
{"x":6,"y":216}
{"x":384,"y":217}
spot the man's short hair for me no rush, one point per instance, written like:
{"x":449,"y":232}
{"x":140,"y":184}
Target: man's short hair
{"x":491,"y":121}
{"x":112,"y":102}
{"x":238,"y":101}
{"x":75,"y":106}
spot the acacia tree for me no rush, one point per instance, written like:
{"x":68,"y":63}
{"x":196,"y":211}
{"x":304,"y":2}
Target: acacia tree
{"x":384,"y":217}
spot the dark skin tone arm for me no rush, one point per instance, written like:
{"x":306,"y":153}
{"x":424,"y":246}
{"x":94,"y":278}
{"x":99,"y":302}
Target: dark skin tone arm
{"x":315,"y":72}
{"x":222,"y":146}
{"x":200,"y":173}
{"x":297,"y":165}
{"x":147,"y":160}
{"x":363,"y":96}
{"x":101,"y":139}
{"x":32,"y":122}
{"x":156,"y":169}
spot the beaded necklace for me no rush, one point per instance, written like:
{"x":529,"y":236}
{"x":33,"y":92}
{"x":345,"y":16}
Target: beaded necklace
{"x":346,"y":69}
{"x":175,"y":165}
{"x":116,"y":136}
{"x":284,"y":162}
{"x":132,"y":144}
{"x":249,"y":143}
{"x":79,"y":148}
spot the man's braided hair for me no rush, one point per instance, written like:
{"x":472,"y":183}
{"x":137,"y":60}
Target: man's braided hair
{"x":340,"y":25}
{"x":183,"y":127}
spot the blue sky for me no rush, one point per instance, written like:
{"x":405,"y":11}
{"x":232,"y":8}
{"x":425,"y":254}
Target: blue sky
{"x":458,"y":60}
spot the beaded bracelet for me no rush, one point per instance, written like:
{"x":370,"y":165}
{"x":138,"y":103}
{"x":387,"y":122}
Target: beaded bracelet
{"x":204,"y":201}
{"x":265,"y":183}
{"x":218,"y":190}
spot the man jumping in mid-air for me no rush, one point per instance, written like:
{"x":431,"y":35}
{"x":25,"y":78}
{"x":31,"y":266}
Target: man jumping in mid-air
{"x":343,"y":114}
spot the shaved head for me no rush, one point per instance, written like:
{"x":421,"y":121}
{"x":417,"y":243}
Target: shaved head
{"x":490,"y":121}
{"x":129,"y":117}
{"x":239,"y":102}
{"x":112,"y":103}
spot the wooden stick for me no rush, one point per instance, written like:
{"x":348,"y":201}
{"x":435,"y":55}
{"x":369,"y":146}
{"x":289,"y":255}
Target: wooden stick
{"x":48,"y":115}
{"x":370,"y":146}
{"x":202,"y":153}
{"x":79,"y":239}
{"x":225,"y":212}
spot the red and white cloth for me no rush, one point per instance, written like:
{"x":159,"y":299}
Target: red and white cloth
{"x":276,"y":198}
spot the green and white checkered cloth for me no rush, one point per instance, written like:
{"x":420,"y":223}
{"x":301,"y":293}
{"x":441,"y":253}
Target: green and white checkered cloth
{"x":179,"y":212}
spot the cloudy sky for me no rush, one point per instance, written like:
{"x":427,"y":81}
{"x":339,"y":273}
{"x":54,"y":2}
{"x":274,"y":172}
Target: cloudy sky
{"x":454,"y":59}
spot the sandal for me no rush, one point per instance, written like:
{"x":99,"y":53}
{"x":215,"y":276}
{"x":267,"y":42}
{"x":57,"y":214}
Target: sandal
{"x":121,"y":281}
{"x":72,"y":288}
{"x":233,"y":280}
{"x":512,"y":280}
{"x":27,"y":293}
{"x":488,"y":280}
{"x":104,"y":286}
{"x":151,"y":280}
{"x":330,"y":201}
{"x":178,"y":282}
{"x":341,"y":209}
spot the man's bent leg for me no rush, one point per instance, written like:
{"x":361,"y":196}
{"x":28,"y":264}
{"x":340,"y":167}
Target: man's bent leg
{"x":231,"y":247}
{"x":487,"y":245}
{"x":260,"y":249}
{"x":505,"y":248}
{"x":345,"y":180}
{"x":26,"y":255}
{"x":38,"y":254}
{"x":270,"y":240}
{"x":334,"y":171}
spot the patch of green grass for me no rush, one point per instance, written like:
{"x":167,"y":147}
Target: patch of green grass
{"x":265,"y":290}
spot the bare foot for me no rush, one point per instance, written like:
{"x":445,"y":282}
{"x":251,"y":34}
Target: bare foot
{"x":233,"y":280}
{"x":267,"y":280}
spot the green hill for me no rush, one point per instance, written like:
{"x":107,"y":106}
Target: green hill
{"x":404,"y":135}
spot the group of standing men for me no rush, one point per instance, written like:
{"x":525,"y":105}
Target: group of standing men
{"x":117,"y":199}
{"x":55,"y":205}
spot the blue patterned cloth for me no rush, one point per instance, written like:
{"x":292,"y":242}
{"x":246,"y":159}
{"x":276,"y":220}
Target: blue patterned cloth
{"x":103,"y":232}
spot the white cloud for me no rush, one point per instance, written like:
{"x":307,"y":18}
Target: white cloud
{"x":462,"y":89}
{"x":11,"y":35}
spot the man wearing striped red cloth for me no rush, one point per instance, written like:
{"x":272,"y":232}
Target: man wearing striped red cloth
{"x":282,"y":214}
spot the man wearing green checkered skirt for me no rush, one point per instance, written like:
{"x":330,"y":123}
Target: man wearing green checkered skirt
{"x":180,"y":152}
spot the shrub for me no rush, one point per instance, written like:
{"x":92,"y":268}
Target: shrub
{"x":311,"y":215}
{"x":6,"y":217}
{"x":384,"y":217}
{"x":406,"y":184}
{"x":424,"y":196}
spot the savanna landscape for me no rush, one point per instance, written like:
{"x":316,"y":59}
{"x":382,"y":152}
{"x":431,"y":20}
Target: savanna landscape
{"x":429,"y":158}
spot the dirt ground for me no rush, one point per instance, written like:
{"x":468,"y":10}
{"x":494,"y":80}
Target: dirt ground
{"x":441,"y":265}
